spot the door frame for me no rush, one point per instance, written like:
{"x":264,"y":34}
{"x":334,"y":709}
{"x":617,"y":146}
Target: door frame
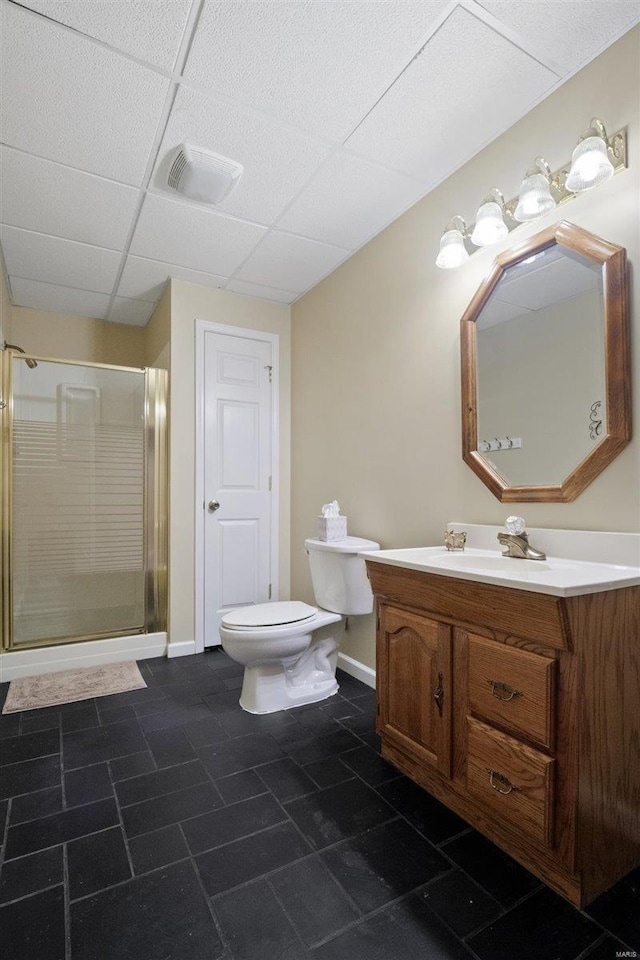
{"x":202,"y":327}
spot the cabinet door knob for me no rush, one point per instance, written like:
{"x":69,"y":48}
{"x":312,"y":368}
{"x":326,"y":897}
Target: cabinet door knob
{"x":502,"y":691}
{"x":439,"y":694}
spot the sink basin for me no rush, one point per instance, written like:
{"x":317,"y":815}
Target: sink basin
{"x":555,"y":575}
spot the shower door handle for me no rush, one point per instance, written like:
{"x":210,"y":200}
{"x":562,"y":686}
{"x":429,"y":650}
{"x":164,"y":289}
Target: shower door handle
{"x":213,"y":505}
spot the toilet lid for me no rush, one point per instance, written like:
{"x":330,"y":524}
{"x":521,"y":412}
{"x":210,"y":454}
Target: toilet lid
{"x":269,"y":614}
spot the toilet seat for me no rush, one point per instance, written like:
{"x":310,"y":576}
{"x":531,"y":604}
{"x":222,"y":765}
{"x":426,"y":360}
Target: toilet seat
{"x":282,"y":613}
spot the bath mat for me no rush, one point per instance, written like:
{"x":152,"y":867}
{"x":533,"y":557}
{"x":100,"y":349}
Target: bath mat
{"x":67,"y":686}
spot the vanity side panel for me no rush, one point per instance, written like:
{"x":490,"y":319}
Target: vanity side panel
{"x":540,"y":617}
{"x":608,"y":628}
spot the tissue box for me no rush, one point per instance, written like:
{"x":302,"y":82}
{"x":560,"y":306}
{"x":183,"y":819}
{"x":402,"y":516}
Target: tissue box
{"x":332,"y":528}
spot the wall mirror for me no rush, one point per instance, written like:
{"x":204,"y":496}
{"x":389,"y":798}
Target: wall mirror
{"x":546,"y":367}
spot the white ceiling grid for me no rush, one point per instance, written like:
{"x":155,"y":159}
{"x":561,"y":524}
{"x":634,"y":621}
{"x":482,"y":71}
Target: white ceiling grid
{"x":337,"y":112}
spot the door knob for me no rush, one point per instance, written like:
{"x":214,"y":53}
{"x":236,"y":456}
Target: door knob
{"x":213,"y":505}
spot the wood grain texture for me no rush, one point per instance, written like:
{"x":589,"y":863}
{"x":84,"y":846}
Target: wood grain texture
{"x":539,"y":617}
{"x":530,"y":709}
{"x":581,"y":791}
{"x":608,"y":625}
{"x":417,"y":652}
{"x":617,"y":365}
{"x":511,"y":780}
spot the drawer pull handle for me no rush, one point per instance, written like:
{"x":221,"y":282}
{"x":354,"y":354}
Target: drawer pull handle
{"x":500,"y":783}
{"x":502,"y":691}
{"x":439,"y":694}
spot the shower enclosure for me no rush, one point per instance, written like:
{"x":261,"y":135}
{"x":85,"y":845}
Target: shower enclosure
{"x":84,"y":501}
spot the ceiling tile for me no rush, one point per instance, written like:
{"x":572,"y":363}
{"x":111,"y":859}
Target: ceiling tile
{"x":150,"y":30}
{"x":145,"y":279}
{"x":55,"y":299}
{"x":290,"y":263}
{"x":134,"y":312}
{"x":260,"y":291}
{"x":66,"y":99}
{"x":50,"y":198}
{"x":567,"y":33}
{"x":349,"y":200}
{"x":277,"y":162}
{"x":192,"y":237}
{"x":35,"y":256}
{"x":468,"y":85}
{"x":319,"y":66}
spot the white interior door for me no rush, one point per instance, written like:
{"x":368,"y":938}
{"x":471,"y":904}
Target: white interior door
{"x":237,"y":436}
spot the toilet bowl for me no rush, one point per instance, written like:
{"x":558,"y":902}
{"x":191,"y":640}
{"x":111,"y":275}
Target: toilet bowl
{"x":289,"y":649}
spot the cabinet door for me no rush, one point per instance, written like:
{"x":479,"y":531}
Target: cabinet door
{"x":414,"y":684}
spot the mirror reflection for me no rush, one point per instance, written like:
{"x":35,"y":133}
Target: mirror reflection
{"x":541,"y":368}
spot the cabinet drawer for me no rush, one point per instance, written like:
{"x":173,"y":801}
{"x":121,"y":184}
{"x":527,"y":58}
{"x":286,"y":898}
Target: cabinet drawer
{"x":513,"y":688}
{"x":511,"y":780}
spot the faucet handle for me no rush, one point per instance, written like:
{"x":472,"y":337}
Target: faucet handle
{"x":515,"y":525}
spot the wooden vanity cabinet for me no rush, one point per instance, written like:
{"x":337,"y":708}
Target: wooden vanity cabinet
{"x":521,"y":712}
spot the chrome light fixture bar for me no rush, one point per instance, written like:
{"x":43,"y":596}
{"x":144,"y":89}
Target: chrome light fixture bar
{"x":596,"y":158}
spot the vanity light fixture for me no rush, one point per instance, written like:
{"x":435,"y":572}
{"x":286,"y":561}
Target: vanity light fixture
{"x":490,"y":226}
{"x":452,"y":249}
{"x":595,"y":159}
{"x":590,"y":163}
{"x":535,"y":197}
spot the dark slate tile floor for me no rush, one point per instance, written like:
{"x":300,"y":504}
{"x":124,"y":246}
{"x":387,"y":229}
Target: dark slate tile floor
{"x":167,"y":824}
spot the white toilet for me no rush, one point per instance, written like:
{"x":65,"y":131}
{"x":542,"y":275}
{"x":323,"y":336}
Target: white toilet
{"x":290,"y":649}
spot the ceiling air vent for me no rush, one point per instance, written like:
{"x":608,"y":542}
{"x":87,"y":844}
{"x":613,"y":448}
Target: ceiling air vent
{"x":202,"y":175}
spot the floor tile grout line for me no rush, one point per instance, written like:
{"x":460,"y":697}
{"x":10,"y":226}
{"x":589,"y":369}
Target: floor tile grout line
{"x":292,"y":924}
{"x":123,"y":832}
{"x":210,"y":906}
{"x":5,"y":832}
{"x":318,"y":856}
{"x":32,"y":893}
{"x":372,"y":913}
{"x":67,"y":901}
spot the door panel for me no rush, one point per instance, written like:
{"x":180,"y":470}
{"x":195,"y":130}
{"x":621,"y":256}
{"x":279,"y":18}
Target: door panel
{"x":415,"y":686}
{"x":237,"y":466}
{"x":239,"y":440}
{"x":239,"y":562}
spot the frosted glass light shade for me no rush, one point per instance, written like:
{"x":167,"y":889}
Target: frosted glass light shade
{"x":590,"y":165}
{"x":490,"y":227}
{"x":452,"y":250}
{"x":535,"y":198}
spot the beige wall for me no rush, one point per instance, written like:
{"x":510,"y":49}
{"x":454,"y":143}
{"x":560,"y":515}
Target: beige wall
{"x":188,"y":303}
{"x":5,"y":304}
{"x":375,"y":375}
{"x":77,"y":338}
{"x":157,"y":335}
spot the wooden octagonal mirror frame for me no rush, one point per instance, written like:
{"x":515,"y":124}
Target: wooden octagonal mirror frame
{"x":616,"y":359}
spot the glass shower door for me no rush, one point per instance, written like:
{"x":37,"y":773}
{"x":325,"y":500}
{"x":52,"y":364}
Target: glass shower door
{"x":76,"y":507}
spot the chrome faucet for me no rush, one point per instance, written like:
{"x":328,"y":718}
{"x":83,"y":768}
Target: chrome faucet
{"x":516,"y":540}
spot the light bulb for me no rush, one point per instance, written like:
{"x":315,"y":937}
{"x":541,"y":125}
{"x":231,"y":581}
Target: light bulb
{"x":452,"y":250}
{"x":590,"y":165}
{"x":490,"y":227}
{"x":535,"y":198}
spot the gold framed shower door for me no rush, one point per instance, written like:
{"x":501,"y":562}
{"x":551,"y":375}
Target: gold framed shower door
{"x":153,"y":501}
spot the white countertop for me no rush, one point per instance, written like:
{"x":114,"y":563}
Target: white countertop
{"x":558,"y":576}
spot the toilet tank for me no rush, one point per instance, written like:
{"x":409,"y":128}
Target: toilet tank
{"x":339,"y":575}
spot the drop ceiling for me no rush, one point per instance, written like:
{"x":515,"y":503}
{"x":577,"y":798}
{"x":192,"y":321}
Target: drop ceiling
{"x":337,"y":111}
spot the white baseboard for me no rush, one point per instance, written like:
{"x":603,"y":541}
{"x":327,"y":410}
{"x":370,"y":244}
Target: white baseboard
{"x":90,"y":653}
{"x":182,"y":648}
{"x":358,"y":670}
